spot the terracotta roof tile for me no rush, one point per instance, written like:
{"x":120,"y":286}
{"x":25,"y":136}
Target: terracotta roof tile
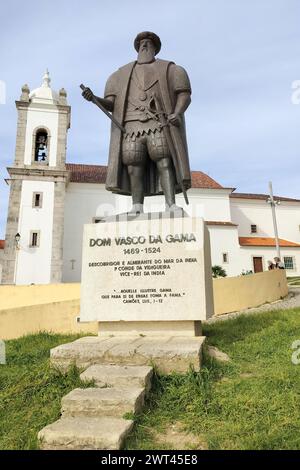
{"x":2,"y":244}
{"x":201,"y":180}
{"x":264,"y":241}
{"x":87,"y":173}
{"x":97,"y":174}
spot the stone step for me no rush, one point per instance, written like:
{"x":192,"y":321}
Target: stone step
{"x":119,"y":376}
{"x":94,"y":402}
{"x":168,"y":353}
{"x":105,"y":433}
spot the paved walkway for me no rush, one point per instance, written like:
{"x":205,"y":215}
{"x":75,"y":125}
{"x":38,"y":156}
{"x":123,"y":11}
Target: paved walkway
{"x":292,"y":300}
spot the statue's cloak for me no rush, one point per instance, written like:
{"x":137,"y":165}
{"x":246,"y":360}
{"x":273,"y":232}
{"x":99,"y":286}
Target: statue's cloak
{"x":172,"y":79}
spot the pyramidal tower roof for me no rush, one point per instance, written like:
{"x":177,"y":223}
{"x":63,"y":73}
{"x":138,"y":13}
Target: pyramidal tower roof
{"x":44,"y":94}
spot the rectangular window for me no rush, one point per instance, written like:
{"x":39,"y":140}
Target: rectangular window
{"x":34,"y":238}
{"x":37,"y":200}
{"x":225,"y":257}
{"x":253,"y":228}
{"x":289,"y":262}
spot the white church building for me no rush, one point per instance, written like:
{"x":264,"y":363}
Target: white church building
{"x":50,"y":201}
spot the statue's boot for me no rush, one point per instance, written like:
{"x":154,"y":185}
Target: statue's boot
{"x":136,"y":209}
{"x":168,"y":184}
{"x":173,"y":208}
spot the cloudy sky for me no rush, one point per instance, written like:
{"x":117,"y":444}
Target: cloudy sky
{"x":242,"y":57}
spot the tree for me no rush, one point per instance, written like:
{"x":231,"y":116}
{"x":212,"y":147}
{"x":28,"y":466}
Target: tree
{"x":218,"y":271}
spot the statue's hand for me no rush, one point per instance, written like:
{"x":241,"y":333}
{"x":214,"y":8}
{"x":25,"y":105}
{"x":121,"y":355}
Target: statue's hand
{"x":88,"y":94}
{"x":174,"y":119}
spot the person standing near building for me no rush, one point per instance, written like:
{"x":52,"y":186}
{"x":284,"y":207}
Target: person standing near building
{"x":278,"y":263}
{"x":271,"y":265}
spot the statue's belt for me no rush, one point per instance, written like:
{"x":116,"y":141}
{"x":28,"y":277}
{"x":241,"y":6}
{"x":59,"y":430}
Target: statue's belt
{"x":138,"y":116}
{"x":143,"y":118}
{"x":141,"y":111}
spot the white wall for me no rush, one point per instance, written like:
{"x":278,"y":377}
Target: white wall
{"x":83,"y":203}
{"x":41,"y":117}
{"x":211,"y":204}
{"x":224,"y":239}
{"x":33,"y":265}
{"x":288,"y":220}
{"x":247,"y":212}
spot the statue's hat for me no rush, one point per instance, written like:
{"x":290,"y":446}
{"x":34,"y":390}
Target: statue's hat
{"x":147,"y":35}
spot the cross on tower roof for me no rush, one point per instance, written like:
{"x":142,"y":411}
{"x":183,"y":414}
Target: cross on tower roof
{"x":46,"y":79}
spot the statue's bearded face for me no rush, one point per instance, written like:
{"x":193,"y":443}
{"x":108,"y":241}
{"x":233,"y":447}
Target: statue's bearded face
{"x":146,"y":51}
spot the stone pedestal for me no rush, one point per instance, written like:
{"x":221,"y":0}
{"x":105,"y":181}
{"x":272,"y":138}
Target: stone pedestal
{"x":150,"y":275}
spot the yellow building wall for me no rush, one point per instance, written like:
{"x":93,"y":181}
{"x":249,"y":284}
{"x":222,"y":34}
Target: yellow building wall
{"x":30,"y":309}
{"x":237,"y":293}
{"x":55,"y":307}
{"x":20,"y":296}
{"x":56,"y":317}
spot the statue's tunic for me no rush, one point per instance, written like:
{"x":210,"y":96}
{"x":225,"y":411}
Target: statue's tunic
{"x":140,"y":115}
{"x":133,"y":87}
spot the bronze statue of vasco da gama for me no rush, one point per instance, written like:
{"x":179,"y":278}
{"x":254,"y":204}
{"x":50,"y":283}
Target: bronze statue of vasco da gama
{"x":148,"y":152}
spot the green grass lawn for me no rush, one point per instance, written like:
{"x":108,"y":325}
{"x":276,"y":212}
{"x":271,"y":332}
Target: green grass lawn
{"x":253,"y":402}
{"x":294,"y":281}
{"x":31,"y":392}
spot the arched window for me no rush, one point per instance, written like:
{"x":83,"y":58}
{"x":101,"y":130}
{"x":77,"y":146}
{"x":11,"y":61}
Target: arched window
{"x":41,"y":146}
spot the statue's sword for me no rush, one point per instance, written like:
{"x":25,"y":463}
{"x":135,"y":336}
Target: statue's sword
{"x":166,"y":130}
{"x":110,"y":116}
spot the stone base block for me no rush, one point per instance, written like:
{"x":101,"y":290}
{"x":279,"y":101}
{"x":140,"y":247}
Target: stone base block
{"x":119,"y":376}
{"x":167,"y":353}
{"x":147,"y":270}
{"x":93,"y":402}
{"x":105,"y":433}
{"x":151,"y":328}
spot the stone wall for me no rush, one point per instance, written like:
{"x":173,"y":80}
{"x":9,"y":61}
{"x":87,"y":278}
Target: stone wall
{"x":1,"y":263}
{"x":58,"y":231}
{"x":10,"y":251}
{"x":22,"y":108}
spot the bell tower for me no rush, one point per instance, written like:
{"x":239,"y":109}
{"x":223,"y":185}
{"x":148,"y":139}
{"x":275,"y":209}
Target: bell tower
{"x":38,"y":178}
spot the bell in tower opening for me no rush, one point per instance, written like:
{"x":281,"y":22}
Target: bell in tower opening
{"x":41,"y":146}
